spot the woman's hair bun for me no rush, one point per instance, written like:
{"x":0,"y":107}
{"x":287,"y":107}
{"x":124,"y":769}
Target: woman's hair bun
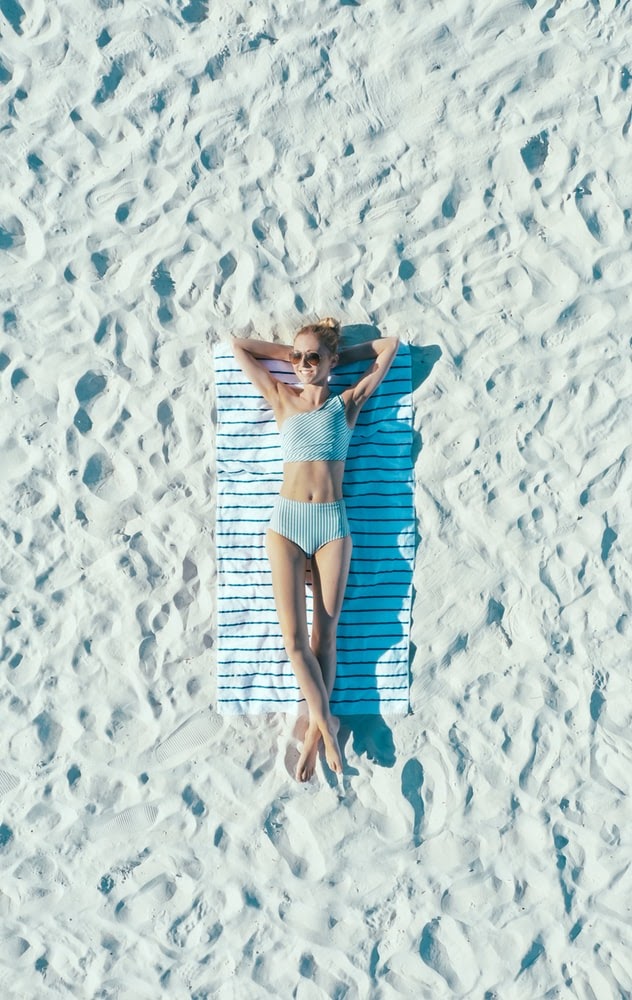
{"x":330,"y":322}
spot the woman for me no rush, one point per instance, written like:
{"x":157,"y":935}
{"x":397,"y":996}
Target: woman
{"x":309,"y":518}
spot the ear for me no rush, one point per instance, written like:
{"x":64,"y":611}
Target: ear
{"x":334,"y":360}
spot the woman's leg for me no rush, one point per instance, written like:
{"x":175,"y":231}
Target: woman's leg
{"x":330,"y":570}
{"x":287,"y":562}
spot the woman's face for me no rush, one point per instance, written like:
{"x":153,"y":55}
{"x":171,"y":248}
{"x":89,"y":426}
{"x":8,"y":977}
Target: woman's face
{"x":308,"y":344}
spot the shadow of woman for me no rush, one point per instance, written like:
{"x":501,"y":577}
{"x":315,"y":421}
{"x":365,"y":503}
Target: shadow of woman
{"x":370,"y":733}
{"x":370,"y":736}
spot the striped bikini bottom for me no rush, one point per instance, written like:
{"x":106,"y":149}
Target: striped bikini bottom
{"x":309,"y":525}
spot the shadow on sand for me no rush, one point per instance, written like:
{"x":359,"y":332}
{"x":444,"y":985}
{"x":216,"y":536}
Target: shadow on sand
{"x":370,"y":734}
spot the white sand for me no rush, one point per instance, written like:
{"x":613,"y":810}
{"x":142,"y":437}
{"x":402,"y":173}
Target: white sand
{"x":170,"y":178}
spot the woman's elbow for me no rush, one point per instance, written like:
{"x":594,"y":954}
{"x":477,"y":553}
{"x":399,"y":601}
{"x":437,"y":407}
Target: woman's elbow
{"x":386,"y":344}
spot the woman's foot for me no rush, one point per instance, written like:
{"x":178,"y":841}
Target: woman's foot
{"x":307,"y":760}
{"x":329,"y":733}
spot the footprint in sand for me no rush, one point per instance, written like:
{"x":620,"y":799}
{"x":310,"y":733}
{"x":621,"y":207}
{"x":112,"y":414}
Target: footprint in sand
{"x":438,"y":796}
{"x":274,"y":827}
{"x":7,"y":782}
{"x":227,"y":266}
{"x":605,"y":483}
{"x":108,"y":480}
{"x":237,"y":278}
{"x":597,"y":698}
{"x":191,"y":928}
{"x":88,"y":388}
{"x":599,"y":209}
{"x":444,"y":948}
{"x":12,"y":233}
{"x":291,"y":758}
{"x":544,"y":756}
{"x":184,"y":599}
{"x":147,"y":904}
{"x":299,"y":257}
{"x":200,"y":729}
{"x":412,"y":782}
{"x":471,"y":899}
{"x":266,"y":230}
{"x":37,"y":869}
{"x":171,"y":437}
{"x":293,"y":838}
{"x":13,"y":947}
{"x":131,"y":821}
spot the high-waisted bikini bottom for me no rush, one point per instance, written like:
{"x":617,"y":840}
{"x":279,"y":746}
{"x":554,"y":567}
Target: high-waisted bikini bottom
{"x":309,"y":525}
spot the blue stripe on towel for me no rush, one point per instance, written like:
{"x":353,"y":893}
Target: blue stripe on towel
{"x":253,"y":674}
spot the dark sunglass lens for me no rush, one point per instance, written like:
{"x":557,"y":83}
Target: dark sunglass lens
{"x":311,"y":357}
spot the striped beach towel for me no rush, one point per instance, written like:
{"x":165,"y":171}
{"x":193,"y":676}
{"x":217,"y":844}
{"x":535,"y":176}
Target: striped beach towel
{"x":253,"y":673}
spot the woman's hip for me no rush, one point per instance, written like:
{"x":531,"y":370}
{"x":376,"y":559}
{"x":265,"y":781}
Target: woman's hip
{"x":310,"y":525}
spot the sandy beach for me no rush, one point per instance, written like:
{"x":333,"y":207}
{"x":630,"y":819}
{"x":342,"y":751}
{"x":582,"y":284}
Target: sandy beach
{"x":454,"y":174}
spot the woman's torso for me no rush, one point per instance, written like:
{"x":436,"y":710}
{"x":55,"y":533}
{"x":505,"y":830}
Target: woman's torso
{"x":316,"y":480}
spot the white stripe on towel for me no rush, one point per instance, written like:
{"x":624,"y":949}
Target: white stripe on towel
{"x":253,"y":674}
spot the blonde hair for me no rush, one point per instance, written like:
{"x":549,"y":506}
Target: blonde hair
{"x":327,"y":330}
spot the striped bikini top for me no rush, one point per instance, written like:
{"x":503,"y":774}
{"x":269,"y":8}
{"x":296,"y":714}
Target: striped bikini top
{"x":321,"y":434}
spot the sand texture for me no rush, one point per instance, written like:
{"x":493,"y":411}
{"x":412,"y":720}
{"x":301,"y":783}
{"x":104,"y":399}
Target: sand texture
{"x":457,"y":174}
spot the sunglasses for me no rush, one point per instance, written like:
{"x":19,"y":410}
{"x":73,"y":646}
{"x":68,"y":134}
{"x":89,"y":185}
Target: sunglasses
{"x":311,"y":358}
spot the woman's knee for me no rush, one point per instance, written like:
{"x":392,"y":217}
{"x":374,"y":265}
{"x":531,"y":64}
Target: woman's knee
{"x":324,"y":636}
{"x":296,"y":645}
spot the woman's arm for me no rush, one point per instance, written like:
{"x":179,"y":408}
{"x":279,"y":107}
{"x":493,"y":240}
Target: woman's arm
{"x":365,"y":351}
{"x":383,"y":351}
{"x":249,"y":354}
{"x":260,"y":349}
